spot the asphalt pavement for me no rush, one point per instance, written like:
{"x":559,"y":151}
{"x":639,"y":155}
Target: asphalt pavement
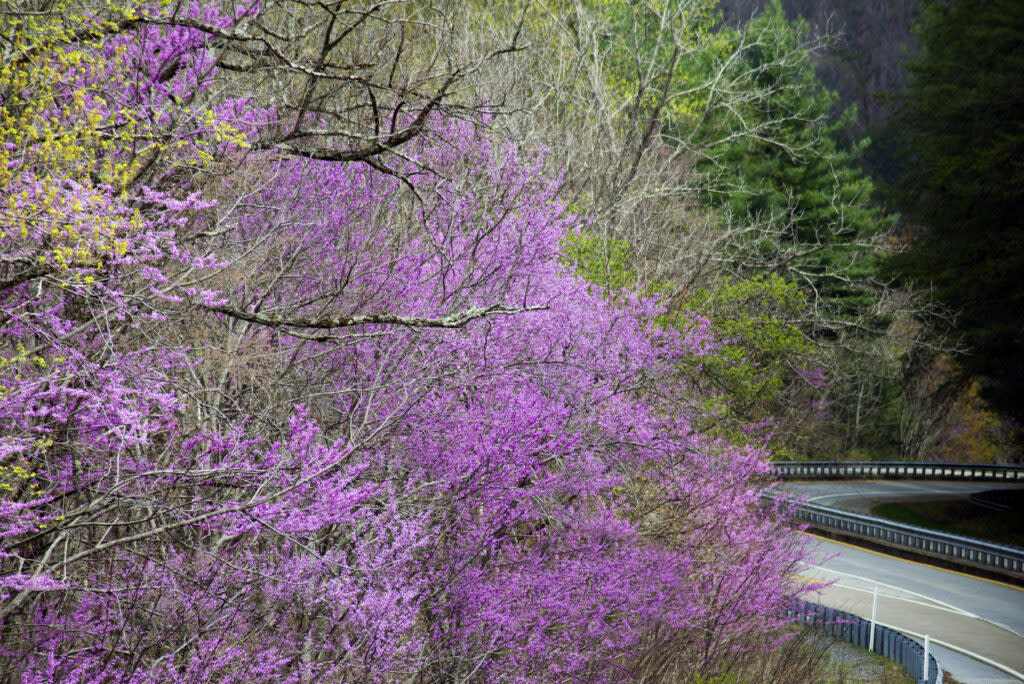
{"x":976,"y":624}
{"x":858,"y":496}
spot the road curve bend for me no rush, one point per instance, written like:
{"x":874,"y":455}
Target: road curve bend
{"x":966,"y":614}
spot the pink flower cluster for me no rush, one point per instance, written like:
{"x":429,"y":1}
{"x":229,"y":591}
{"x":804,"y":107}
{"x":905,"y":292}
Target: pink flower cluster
{"x":202,"y":496}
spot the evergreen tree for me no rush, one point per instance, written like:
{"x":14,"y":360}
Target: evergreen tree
{"x":964,"y":183}
{"x":796,"y":172}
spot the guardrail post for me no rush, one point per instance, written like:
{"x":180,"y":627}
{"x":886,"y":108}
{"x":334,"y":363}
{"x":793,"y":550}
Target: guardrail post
{"x":927,"y":643}
{"x":874,"y":620}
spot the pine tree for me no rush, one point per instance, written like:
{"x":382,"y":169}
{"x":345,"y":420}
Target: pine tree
{"x":964,"y":183}
{"x":797,"y":173}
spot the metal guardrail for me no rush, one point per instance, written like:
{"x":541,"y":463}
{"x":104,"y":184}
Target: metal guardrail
{"x":1005,"y":559}
{"x":951,"y":547}
{"x":832,"y":470}
{"x":855,"y":630}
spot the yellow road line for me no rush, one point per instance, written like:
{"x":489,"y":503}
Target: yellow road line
{"x":809,"y":579}
{"x":927,"y":565}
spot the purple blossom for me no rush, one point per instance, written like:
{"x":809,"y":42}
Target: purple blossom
{"x":521,"y":498}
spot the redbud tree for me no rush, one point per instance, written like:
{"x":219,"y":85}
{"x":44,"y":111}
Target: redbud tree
{"x":288,"y":401}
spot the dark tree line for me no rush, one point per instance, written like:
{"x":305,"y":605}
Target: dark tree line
{"x":962,"y":183}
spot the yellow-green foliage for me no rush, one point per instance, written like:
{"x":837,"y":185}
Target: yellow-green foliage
{"x":18,"y":476}
{"x":71,"y":148}
{"x":52,"y":134}
{"x":608,"y":263}
{"x":667,"y":39}
{"x":602,"y":262}
{"x":763,"y":347}
{"x":976,"y":434}
{"x":672,"y":43}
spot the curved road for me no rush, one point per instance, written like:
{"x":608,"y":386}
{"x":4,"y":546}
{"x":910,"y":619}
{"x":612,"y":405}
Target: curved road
{"x":858,"y":496}
{"x":981,"y":617}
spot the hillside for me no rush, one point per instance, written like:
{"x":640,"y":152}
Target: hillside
{"x":872,"y":43}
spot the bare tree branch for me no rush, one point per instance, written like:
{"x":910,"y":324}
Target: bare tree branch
{"x":454,"y":320}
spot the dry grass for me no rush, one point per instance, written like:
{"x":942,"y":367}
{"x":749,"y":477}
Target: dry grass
{"x":807,"y":657}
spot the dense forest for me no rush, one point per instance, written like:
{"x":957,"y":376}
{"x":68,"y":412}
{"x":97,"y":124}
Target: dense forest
{"x":936,"y":89}
{"x":428,"y":340}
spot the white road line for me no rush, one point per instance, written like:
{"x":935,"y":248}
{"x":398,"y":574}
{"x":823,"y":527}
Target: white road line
{"x":899,"y":488}
{"x":867,"y":493}
{"x":834,"y":496}
{"x":839,"y":496}
{"x":946,"y":606}
{"x":928,"y":603}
